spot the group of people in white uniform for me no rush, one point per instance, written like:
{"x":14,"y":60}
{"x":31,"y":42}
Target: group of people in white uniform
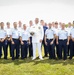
{"x":23,"y":40}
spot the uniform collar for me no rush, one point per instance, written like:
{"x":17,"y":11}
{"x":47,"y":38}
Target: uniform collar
{"x":8,"y":28}
{"x":2,"y":29}
{"x":15,"y":28}
{"x":50,"y":28}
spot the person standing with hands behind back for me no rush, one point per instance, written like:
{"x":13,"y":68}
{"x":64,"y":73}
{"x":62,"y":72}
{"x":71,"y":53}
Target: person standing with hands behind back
{"x":49,"y":41}
{"x":63,"y":42}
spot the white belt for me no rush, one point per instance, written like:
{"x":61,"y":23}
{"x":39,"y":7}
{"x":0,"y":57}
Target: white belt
{"x":62,"y":39}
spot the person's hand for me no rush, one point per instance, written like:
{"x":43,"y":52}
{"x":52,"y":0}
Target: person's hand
{"x":57,"y":43}
{"x":22,"y":43}
{"x":2,"y":40}
{"x":72,"y":39}
{"x":67,"y":43}
{"x":51,"y":43}
{"x":8,"y":39}
{"x":40,"y":41}
{"x":29,"y":43}
{"x":45,"y":43}
{"x":13,"y":42}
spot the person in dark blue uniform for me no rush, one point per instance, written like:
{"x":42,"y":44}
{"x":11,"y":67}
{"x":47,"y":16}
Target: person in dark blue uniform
{"x":15,"y":42}
{"x":45,"y":47}
{"x":69,"y":29}
{"x":3,"y":36}
{"x":19,"y":27}
{"x":56,"y":29}
{"x":30,"y":45}
{"x":49,"y":41}
{"x":63,"y":42}
{"x":1,"y":49}
{"x":24,"y":38}
{"x":72,"y":42}
{"x":8,"y":30}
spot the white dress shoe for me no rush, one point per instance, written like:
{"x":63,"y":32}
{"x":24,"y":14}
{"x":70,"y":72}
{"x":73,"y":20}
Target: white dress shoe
{"x":41,"y":58}
{"x":33,"y":58}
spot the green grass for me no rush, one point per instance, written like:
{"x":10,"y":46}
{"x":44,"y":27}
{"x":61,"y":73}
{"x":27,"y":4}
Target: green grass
{"x":36,"y":67}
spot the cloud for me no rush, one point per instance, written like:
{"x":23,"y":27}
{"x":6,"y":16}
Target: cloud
{"x":19,"y":2}
{"x":49,"y":10}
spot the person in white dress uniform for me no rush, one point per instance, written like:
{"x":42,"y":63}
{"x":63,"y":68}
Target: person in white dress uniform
{"x":37,"y":36}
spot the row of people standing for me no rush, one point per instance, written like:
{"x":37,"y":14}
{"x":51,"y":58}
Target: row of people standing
{"x":10,"y":38}
{"x":19,"y":39}
{"x":62,"y":39}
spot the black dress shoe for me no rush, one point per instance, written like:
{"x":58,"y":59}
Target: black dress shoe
{"x":5,"y":57}
{"x":10,"y":56}
{"x":55,"y":58}
{"x":70,"y":58}
{"x":30,"y":56}
{"x":60,"y":58}
{"x":16,"y":57}
{"x":45,"y":56}
{"x":65,"y":59}
{"x":25,"y":57}
{"x":13,"y":58}
{"x":22,"y":58}
{"x":50,"y":58}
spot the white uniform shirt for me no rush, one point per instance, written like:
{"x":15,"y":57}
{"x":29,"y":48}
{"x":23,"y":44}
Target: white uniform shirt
{"x":38,"y":33}
{"x":59,"y":27}
{"x":69,"y":29}
{"x":49,"y":33}
{"x":8,"y":30}
{"x":63,"y":34}
{"x":15,"y":33}
{"x":19,"y":29}
{"x":56,"y":30}
{"x":29,"y":30}
{"x":2,"y":33}
{"x":72,"y":32}
{"x":25,"y":35}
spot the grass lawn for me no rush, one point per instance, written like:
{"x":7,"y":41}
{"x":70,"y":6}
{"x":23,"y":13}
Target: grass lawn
{"x":36,"y":67}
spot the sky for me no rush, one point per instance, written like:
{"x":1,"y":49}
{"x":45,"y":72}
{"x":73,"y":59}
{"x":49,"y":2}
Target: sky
{"x":25,"y":10}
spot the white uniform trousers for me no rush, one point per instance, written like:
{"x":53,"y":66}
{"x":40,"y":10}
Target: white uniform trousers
{"x":37,"y":46}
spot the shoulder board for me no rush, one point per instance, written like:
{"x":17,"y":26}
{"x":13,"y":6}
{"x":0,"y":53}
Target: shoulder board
{"x":65,"y":30}
{"x":5,"y":30}
{"x":51,"y":29}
